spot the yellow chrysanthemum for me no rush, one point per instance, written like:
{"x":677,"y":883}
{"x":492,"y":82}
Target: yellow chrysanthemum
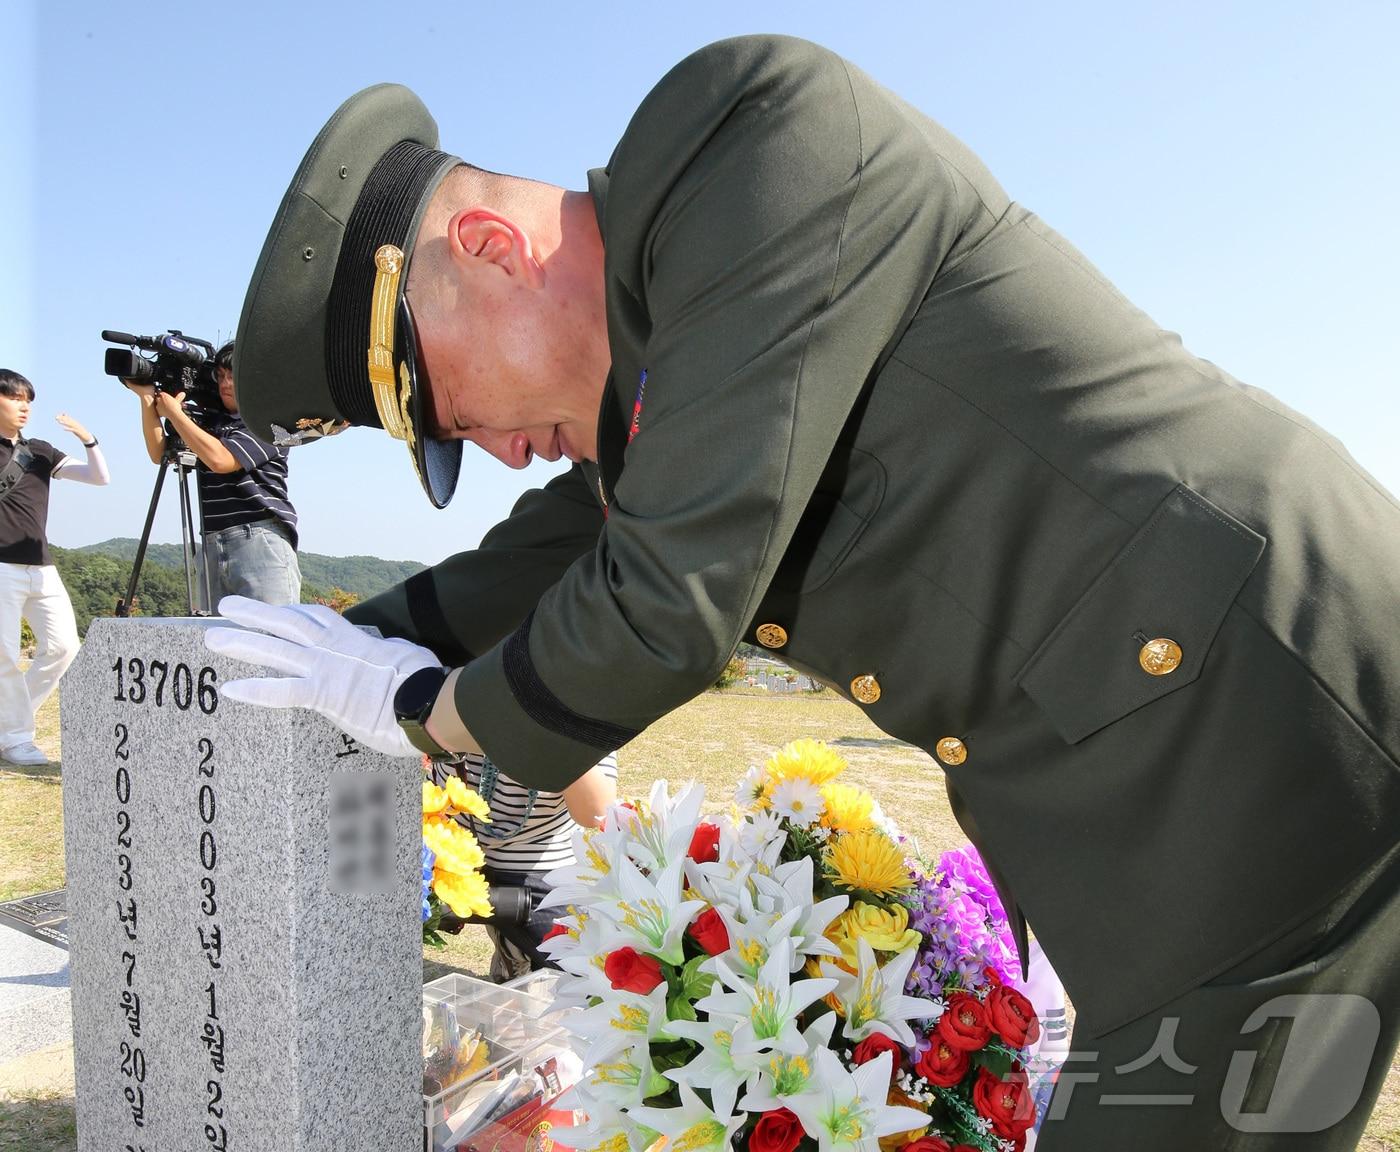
{"x":465,"y":800}
{"x":848,"y":808}
{"x":455,"y":847}
{"x":434,"y":798}
{"x":809,"y":759}
{"x":868,"y":860}
{"x":466,"y":895}
{"x":884,"y":929}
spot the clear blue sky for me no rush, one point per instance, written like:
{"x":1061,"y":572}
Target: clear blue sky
{"x":1232,"y":167}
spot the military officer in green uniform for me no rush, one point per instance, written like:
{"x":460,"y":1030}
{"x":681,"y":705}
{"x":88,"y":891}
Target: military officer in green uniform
{"x":829,"y":390}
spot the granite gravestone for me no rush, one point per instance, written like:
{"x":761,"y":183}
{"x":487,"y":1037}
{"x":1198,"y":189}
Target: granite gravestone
{"x":243,"y":894}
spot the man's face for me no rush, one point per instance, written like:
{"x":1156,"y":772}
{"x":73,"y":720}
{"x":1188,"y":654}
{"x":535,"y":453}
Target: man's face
{"x":492,"y":380}
{"x":224,"y":378}
{"x":14,"y":413}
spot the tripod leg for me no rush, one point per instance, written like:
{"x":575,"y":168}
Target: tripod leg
{"x":124,"y":604}
{"x":187,"y":544}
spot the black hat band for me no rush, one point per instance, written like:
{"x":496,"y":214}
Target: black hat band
{"x":387,"y":207}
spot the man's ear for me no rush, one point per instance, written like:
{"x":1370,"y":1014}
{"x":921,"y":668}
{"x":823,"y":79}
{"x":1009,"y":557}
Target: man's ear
{"x":493,"y":242}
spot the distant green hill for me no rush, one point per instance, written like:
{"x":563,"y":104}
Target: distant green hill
{"x":363,"y":575}
{"x":96,"y":576}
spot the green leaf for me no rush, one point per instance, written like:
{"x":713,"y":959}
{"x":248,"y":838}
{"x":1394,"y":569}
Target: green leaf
{"x":996,"y":1059}
{"x":680,"y":1008}
{"x":693,"y":983}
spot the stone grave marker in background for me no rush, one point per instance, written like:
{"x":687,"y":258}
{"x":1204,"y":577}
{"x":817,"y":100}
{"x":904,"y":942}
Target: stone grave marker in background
{"x":243,"y":894}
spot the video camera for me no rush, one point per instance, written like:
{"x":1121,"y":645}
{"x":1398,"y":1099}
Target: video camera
{"x":181,"y":364}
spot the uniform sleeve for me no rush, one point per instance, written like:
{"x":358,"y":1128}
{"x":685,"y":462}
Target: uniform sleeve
{"x":463,"y":606}
{"x":775,"y":269}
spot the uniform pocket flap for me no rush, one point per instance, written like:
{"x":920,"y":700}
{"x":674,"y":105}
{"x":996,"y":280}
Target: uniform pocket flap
{"x":1174,"y":581}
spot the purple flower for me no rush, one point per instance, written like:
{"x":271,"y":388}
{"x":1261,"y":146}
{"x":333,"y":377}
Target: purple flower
{"x":963,"y":925}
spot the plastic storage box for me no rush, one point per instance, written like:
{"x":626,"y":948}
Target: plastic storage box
{"x":490,"y":1053}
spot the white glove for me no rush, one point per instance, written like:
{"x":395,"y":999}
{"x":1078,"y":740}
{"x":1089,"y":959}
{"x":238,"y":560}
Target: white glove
{"x":331,"y":667}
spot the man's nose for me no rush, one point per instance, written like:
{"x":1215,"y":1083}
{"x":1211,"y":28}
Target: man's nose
{"x":500,"y":445}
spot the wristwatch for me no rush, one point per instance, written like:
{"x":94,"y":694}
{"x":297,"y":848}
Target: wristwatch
{"x":413,"y":702}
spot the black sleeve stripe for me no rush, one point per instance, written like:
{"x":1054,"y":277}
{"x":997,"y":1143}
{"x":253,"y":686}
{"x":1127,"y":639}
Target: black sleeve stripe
{"x":429,"y":621}
{"x":546,"y":709}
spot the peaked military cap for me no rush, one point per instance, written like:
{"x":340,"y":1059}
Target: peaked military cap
{"x":326,"y":338}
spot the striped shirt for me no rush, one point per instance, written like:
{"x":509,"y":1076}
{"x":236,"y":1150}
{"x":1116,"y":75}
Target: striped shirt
{"x":257,"y":491}
{"x":514,"y":841}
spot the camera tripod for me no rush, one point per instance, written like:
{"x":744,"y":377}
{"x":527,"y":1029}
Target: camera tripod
{"x":174,"y":452}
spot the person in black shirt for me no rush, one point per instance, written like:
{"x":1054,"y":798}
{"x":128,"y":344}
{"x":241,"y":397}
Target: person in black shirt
{"x":249,"y":525}
{"x":30,"y":587}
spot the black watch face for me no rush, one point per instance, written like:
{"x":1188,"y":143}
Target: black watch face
{"x":418,"y":692}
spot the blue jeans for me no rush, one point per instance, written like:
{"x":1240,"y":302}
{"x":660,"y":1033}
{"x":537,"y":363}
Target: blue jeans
{"x":255,"y":560}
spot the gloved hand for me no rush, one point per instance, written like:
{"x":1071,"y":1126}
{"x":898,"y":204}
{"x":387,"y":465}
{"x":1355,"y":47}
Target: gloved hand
{"x":331,"y":667}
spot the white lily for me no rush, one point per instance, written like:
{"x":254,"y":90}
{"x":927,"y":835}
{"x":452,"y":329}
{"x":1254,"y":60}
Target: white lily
{"x":649,"y":912}
{"x":604,"y":1129}
{"x":662,"y":828}
{"x":751,"y":941}
{"x":765,"y":1010}
{"x":692,"y":1127}
{"x":847,"y":1111}
{"x":618,"y":1021}
{"x":790,"y":887}
{"x":713,"y":1066}
{"x":625,"y":1081}
{"x":592,"y":877}
{"x":582,"y":958}
{"x":873,"y":999}
{"x":787,"y":1074}
{"x":724,"y":881}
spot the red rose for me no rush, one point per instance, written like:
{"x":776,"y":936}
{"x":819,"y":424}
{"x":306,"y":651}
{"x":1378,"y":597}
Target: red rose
{"x":630,"y":971}
{"x":1012,"y":1016}
{"x":964,"y":1022}
{"x":704,"y":844}
{"x":557,"y":930}
{"x":776,"y":1131}
{"x":871,"y":1047}
{"x":1006,"y":1103}
{"x":943,"y":1065}
{"x":709,"y":932}
{"x":928,"y":1144}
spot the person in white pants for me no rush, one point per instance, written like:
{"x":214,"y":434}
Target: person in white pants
{"x":30,"y":587}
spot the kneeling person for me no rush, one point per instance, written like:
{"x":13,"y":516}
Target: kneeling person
{"x":530,"y":834}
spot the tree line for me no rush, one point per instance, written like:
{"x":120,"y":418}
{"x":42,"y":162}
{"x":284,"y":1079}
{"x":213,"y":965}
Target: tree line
{"x":97,"y":578}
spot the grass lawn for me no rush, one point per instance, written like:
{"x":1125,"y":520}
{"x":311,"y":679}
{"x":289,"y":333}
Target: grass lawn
{"x":713,"y":739}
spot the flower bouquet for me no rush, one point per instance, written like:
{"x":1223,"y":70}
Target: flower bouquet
{"x":452,"y":858}
{"x":785,"y":977}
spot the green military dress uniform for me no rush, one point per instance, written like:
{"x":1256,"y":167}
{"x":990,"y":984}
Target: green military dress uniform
{"x":870,"y":413}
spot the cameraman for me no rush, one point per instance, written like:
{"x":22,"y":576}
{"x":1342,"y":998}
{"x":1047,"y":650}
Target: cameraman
{"x":249,"y":525}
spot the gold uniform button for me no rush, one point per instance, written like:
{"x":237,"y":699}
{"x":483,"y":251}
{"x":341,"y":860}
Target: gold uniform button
{"x":866,"y":689}
{"x":772,"y":635}
{"x":1159,"y":657}
{"x":951,"y":750}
